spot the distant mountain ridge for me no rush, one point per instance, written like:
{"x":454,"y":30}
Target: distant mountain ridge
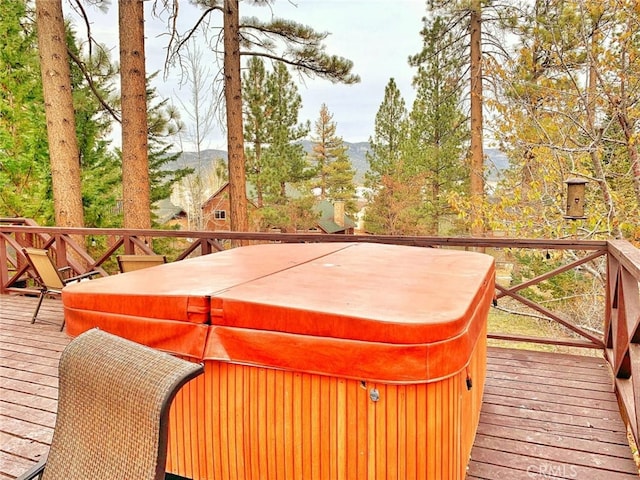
{"x":497,"y":161}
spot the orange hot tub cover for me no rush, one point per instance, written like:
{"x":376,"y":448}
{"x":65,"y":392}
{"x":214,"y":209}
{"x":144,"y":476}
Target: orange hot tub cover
{"x":364,"y":311}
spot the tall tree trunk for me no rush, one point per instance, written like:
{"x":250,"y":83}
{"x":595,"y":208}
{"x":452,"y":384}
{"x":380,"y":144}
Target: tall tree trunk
{"x":135,"y":155}
{"x":259,"y":187}
{"x":61,"y":126}
{"x":235,"y":134}
{"x":477,"y":151}
{"x":434,"y":223}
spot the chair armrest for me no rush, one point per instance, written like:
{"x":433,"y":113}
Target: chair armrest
{"x":82,"y":277}
{"x":34,"y":472}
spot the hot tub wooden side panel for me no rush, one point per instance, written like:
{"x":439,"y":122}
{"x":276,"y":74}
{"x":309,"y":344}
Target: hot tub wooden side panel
{"x":472,"y":404}
{"x":249,"y":423}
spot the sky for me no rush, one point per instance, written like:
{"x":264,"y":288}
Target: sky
{"x":377,"y":35}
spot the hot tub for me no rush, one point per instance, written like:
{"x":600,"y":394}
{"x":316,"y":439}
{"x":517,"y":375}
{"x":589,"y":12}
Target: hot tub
{"x":322,"y":361}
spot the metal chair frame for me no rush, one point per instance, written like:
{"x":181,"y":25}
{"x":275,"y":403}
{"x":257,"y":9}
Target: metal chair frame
{"x":50,"y":278}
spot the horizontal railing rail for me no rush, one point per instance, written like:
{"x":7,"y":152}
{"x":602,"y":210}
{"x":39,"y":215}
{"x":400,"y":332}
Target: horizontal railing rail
{"x":615,"y":263}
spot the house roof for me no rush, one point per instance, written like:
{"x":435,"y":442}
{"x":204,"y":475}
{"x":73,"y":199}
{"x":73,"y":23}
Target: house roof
{"x":166,"y":211}
{"x":250,"y":190}
{"x":326,"y":222}
{"x":324,"y":208}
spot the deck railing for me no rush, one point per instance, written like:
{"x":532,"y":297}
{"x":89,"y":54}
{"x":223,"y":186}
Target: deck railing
{"x":615,"y":264}
{"x":622,"y":328}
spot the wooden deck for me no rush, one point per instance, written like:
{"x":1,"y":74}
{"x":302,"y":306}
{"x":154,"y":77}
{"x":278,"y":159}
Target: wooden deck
{"x":543,"y":416}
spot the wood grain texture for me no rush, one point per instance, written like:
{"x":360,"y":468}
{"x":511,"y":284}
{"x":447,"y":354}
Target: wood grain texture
{"x":267,"y":423}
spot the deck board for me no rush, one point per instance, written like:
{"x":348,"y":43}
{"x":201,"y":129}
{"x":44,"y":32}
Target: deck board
{"x":547,"y":415}
{"x":544,"y":415}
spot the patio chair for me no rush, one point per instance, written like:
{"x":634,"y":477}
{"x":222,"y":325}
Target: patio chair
{"x":129,"y":263}
{"x":113,"y":408}
{"x":50,"y":278}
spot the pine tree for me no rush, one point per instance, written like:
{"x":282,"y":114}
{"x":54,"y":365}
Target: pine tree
{"x":25,"y":170}
{"x":438,"y":134}
{"x":256,"y":125}
{"x":469,"y":15}
{"x":395,"y":186}
{"x":276,"y":158}
{"x":101,"y":168}
{"x":60,"y":115}
{"x":387,"y":197}
{"x":423,"y":150}
{"x":334,"y":173}
{"x":385,"y":147}
{"x":395,"y":208}
{"x":271,"y":108}
{"x":25,"y":182}
{"x":285,"y":155}
{"x":135,"y":148}
{"x":340,"y":174}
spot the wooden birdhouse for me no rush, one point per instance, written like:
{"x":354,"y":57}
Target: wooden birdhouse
{"x":575,"y":199}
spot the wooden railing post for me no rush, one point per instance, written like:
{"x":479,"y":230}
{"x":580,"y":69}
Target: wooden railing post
{"x":61,"y":252}
{"x":129,"y":246}
{"x":4,"y":261}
